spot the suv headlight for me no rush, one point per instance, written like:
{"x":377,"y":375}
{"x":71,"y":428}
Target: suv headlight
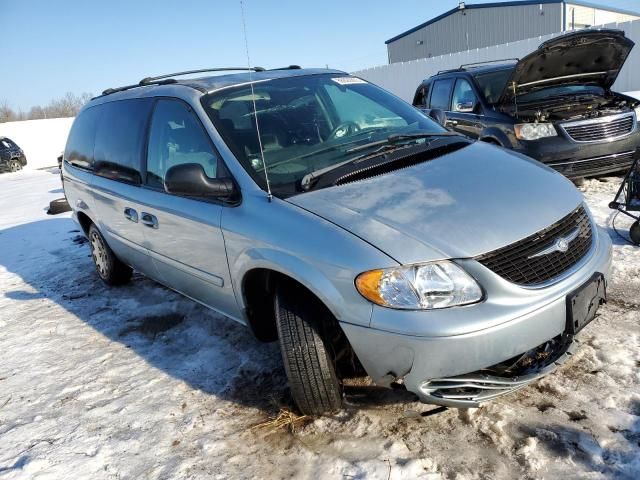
{"x":534,"y":131}
{"x":419,"y":287}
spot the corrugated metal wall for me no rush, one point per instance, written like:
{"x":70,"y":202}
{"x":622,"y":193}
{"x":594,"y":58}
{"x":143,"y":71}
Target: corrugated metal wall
{"x":477,"y":28}
{"x":403,"y":78}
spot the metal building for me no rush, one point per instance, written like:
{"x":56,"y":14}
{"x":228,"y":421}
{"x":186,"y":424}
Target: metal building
{"x":481,"y":25}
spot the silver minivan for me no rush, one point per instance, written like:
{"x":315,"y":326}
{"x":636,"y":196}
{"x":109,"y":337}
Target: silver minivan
{"x":325,"y":213}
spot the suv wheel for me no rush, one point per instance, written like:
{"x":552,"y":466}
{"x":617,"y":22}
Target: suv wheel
{"x":15,"y":165}
{"x":111,"y":270}
{"x":306,"y":352}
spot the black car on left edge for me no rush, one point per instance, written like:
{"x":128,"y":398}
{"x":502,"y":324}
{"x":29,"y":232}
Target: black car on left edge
{"x":12,"y":158}
{"x":554,"y":105}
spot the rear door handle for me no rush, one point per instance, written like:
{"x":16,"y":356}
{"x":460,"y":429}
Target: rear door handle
{"x":131,"y":214}
{"x":149,"y":220}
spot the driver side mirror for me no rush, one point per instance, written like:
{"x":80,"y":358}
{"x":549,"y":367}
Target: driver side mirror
{"x":189,"y":179}
{"x":467,"y":106}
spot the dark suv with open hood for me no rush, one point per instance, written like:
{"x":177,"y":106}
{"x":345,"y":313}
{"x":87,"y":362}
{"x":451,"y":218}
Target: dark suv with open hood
{"x":554,"y":105}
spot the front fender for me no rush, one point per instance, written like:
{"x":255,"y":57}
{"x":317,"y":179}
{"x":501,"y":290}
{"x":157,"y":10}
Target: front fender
{"x":339,"y":299}
{"x":497,"y":135}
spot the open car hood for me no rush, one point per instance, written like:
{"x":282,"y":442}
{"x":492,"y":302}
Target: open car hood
{"x":583,"y":57}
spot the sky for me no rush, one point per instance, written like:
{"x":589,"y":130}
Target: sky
{"x":50,"y":47}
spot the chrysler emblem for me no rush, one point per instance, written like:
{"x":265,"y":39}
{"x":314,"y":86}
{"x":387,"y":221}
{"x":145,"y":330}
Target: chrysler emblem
{"x":561,"y":244}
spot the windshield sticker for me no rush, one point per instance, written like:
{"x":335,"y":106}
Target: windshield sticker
{"x":347,"y":80}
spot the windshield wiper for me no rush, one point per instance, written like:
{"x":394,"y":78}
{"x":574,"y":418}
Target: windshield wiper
{"x":391,"y":142}
{"x":400,"y":137}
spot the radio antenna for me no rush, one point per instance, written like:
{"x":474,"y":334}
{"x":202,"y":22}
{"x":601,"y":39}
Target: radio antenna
{"x":253,"y":98}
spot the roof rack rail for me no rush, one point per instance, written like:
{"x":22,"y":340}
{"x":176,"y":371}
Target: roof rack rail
{"x":149,"y":80}
{"x":462,"y":67}
{"x":290,"y":67}
{"x":168,"y":78}
{"x":449,"y":70}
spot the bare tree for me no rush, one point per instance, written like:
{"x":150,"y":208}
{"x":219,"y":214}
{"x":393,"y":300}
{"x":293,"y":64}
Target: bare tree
{"x":67,"y":106}
{"x":6,"y":112}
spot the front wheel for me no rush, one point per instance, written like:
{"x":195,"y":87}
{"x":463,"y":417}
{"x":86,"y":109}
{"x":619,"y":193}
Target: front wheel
{"x":111,"y":270}
{"x":306,"y":352}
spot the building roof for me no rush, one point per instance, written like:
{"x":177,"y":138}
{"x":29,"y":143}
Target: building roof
{"x":515,"y":3}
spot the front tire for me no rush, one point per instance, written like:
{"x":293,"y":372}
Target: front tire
{"x":306,"y":353}
{"x":110,"y":270}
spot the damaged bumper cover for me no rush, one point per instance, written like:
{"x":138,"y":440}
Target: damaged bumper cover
{"x":455,"y":357}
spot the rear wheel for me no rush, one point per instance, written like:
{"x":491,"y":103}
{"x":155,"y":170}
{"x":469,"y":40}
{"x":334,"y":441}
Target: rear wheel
{"x":306,"y":352}
{"x":111,"y":270}
{"x":15,"y":165}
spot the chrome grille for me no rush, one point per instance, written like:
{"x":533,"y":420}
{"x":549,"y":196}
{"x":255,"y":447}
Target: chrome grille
{"x":599,"y":129}
{"x":518,"y":264}
{"x":594,"y":166}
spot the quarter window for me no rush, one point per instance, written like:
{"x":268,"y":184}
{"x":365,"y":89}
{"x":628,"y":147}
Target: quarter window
{"x":79,"y":149}
{"x":176,"y":137}
{"x":120,"y":139}
{"x":441,"y":93}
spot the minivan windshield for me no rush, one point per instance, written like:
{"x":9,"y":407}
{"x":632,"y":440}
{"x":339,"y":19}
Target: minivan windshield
{"x":491,"y":84}
{"x":308,"y":123}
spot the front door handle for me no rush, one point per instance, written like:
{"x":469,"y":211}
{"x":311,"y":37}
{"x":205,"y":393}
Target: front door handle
{"x":131,"y":214}
{"x":149,"y":220}
{"x":451,"y":122}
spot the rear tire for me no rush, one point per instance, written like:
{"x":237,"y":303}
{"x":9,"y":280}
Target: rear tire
{"x":15,"y":165}
{"x":110,"y":270}
{"x":306,"y":354}
{"x":634,"y":232}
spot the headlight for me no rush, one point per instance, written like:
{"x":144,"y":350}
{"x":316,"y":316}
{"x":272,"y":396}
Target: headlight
{"x":534,"y":131}
{"x":419,"y":287}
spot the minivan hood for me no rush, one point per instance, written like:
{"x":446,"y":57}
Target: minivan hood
{"x":586,"y":56}
{"x":460,"y":205}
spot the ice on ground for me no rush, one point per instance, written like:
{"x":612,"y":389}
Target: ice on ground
{"x":138,"y":382}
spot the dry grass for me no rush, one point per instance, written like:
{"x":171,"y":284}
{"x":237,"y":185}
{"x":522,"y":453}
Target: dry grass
{"x":285,"y":419}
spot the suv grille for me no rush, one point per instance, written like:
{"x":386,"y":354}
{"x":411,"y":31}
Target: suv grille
{"x":600,"y":129}
{"x":519,"y":264}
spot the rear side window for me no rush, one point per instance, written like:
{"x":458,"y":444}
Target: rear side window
{"x":422,"y":95}
{"x":119,"y":139}
{"x":79,"y":149}
{"x":441,"y":93}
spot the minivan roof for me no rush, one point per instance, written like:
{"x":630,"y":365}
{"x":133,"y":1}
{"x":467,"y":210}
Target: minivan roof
{"x":211,"y":83}
{"x":473,"y":70}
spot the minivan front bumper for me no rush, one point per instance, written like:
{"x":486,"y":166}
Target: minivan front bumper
{"x":575,"y":160}
{"x":439,"y":365}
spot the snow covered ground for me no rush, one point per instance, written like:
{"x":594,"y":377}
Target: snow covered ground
{"x":137,"y":382}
